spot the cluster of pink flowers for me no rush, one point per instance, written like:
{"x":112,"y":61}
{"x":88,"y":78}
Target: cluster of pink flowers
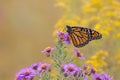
{"x":69,"y":70}
{"x":33,"y":71}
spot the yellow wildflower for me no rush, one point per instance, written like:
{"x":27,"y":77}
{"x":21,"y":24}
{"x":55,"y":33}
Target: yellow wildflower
{"x":106,"y":15}
{"x":113,"y":2}
{"x":94,"y":64}
{"x":102,"y":54}
{"x":118,"y":35}
{"x":104,"y":32}
{"x":89,"y":10}
{"x":117,"y":56}
{"x":75,"y":17}
{"x":110,"y":14}
{"x":95,"y":18}
{"x":97,"y":60}
{"x":71,"y":22}
{"x":109,"y":29}
{"x":117,"y":24}
{"x":97,"y":4}
{"x":97,"y":27}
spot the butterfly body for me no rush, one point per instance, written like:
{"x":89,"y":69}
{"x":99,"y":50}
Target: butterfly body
{"x":81,"y":36}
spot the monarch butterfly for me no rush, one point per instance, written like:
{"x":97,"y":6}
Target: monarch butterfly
{"x":81,"y":36}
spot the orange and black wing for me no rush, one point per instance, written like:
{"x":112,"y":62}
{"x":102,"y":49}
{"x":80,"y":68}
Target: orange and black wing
{"x":79,"y":37}
{"x":94,"y":35}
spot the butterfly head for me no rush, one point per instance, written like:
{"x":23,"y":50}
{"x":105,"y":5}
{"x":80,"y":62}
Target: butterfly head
{"x":69,"y":29}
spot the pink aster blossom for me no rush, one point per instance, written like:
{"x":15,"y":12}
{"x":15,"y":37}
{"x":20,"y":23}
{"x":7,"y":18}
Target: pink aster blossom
{"x":26,"y":74}
{"x":48,"y":51}
{"x":64,"y":37}
{"x":79,"y":54}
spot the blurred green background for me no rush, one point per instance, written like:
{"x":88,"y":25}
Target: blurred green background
{"x":26,"y":27}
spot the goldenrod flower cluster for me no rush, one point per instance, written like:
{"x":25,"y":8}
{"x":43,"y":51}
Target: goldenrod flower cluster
{"x":101,"y":15}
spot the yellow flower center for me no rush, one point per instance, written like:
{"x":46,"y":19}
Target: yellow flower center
{"x":44,"y":66}
{"x":48,"y":49}
{"x":62,"y":37}
{"x":27,"y":73}
{"x":71,"y":68}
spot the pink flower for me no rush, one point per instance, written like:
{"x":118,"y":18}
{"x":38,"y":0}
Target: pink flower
{"x":64,"y":37}
{"x":26,"y":74}
{"x":48,"y":51}
{"x":71,"y":70}
{"x":44,"y":67}
{"x":79,"y":54}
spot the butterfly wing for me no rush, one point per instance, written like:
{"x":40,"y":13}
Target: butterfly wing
{"x":79,"y":37}
{"x":94,"y":35}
